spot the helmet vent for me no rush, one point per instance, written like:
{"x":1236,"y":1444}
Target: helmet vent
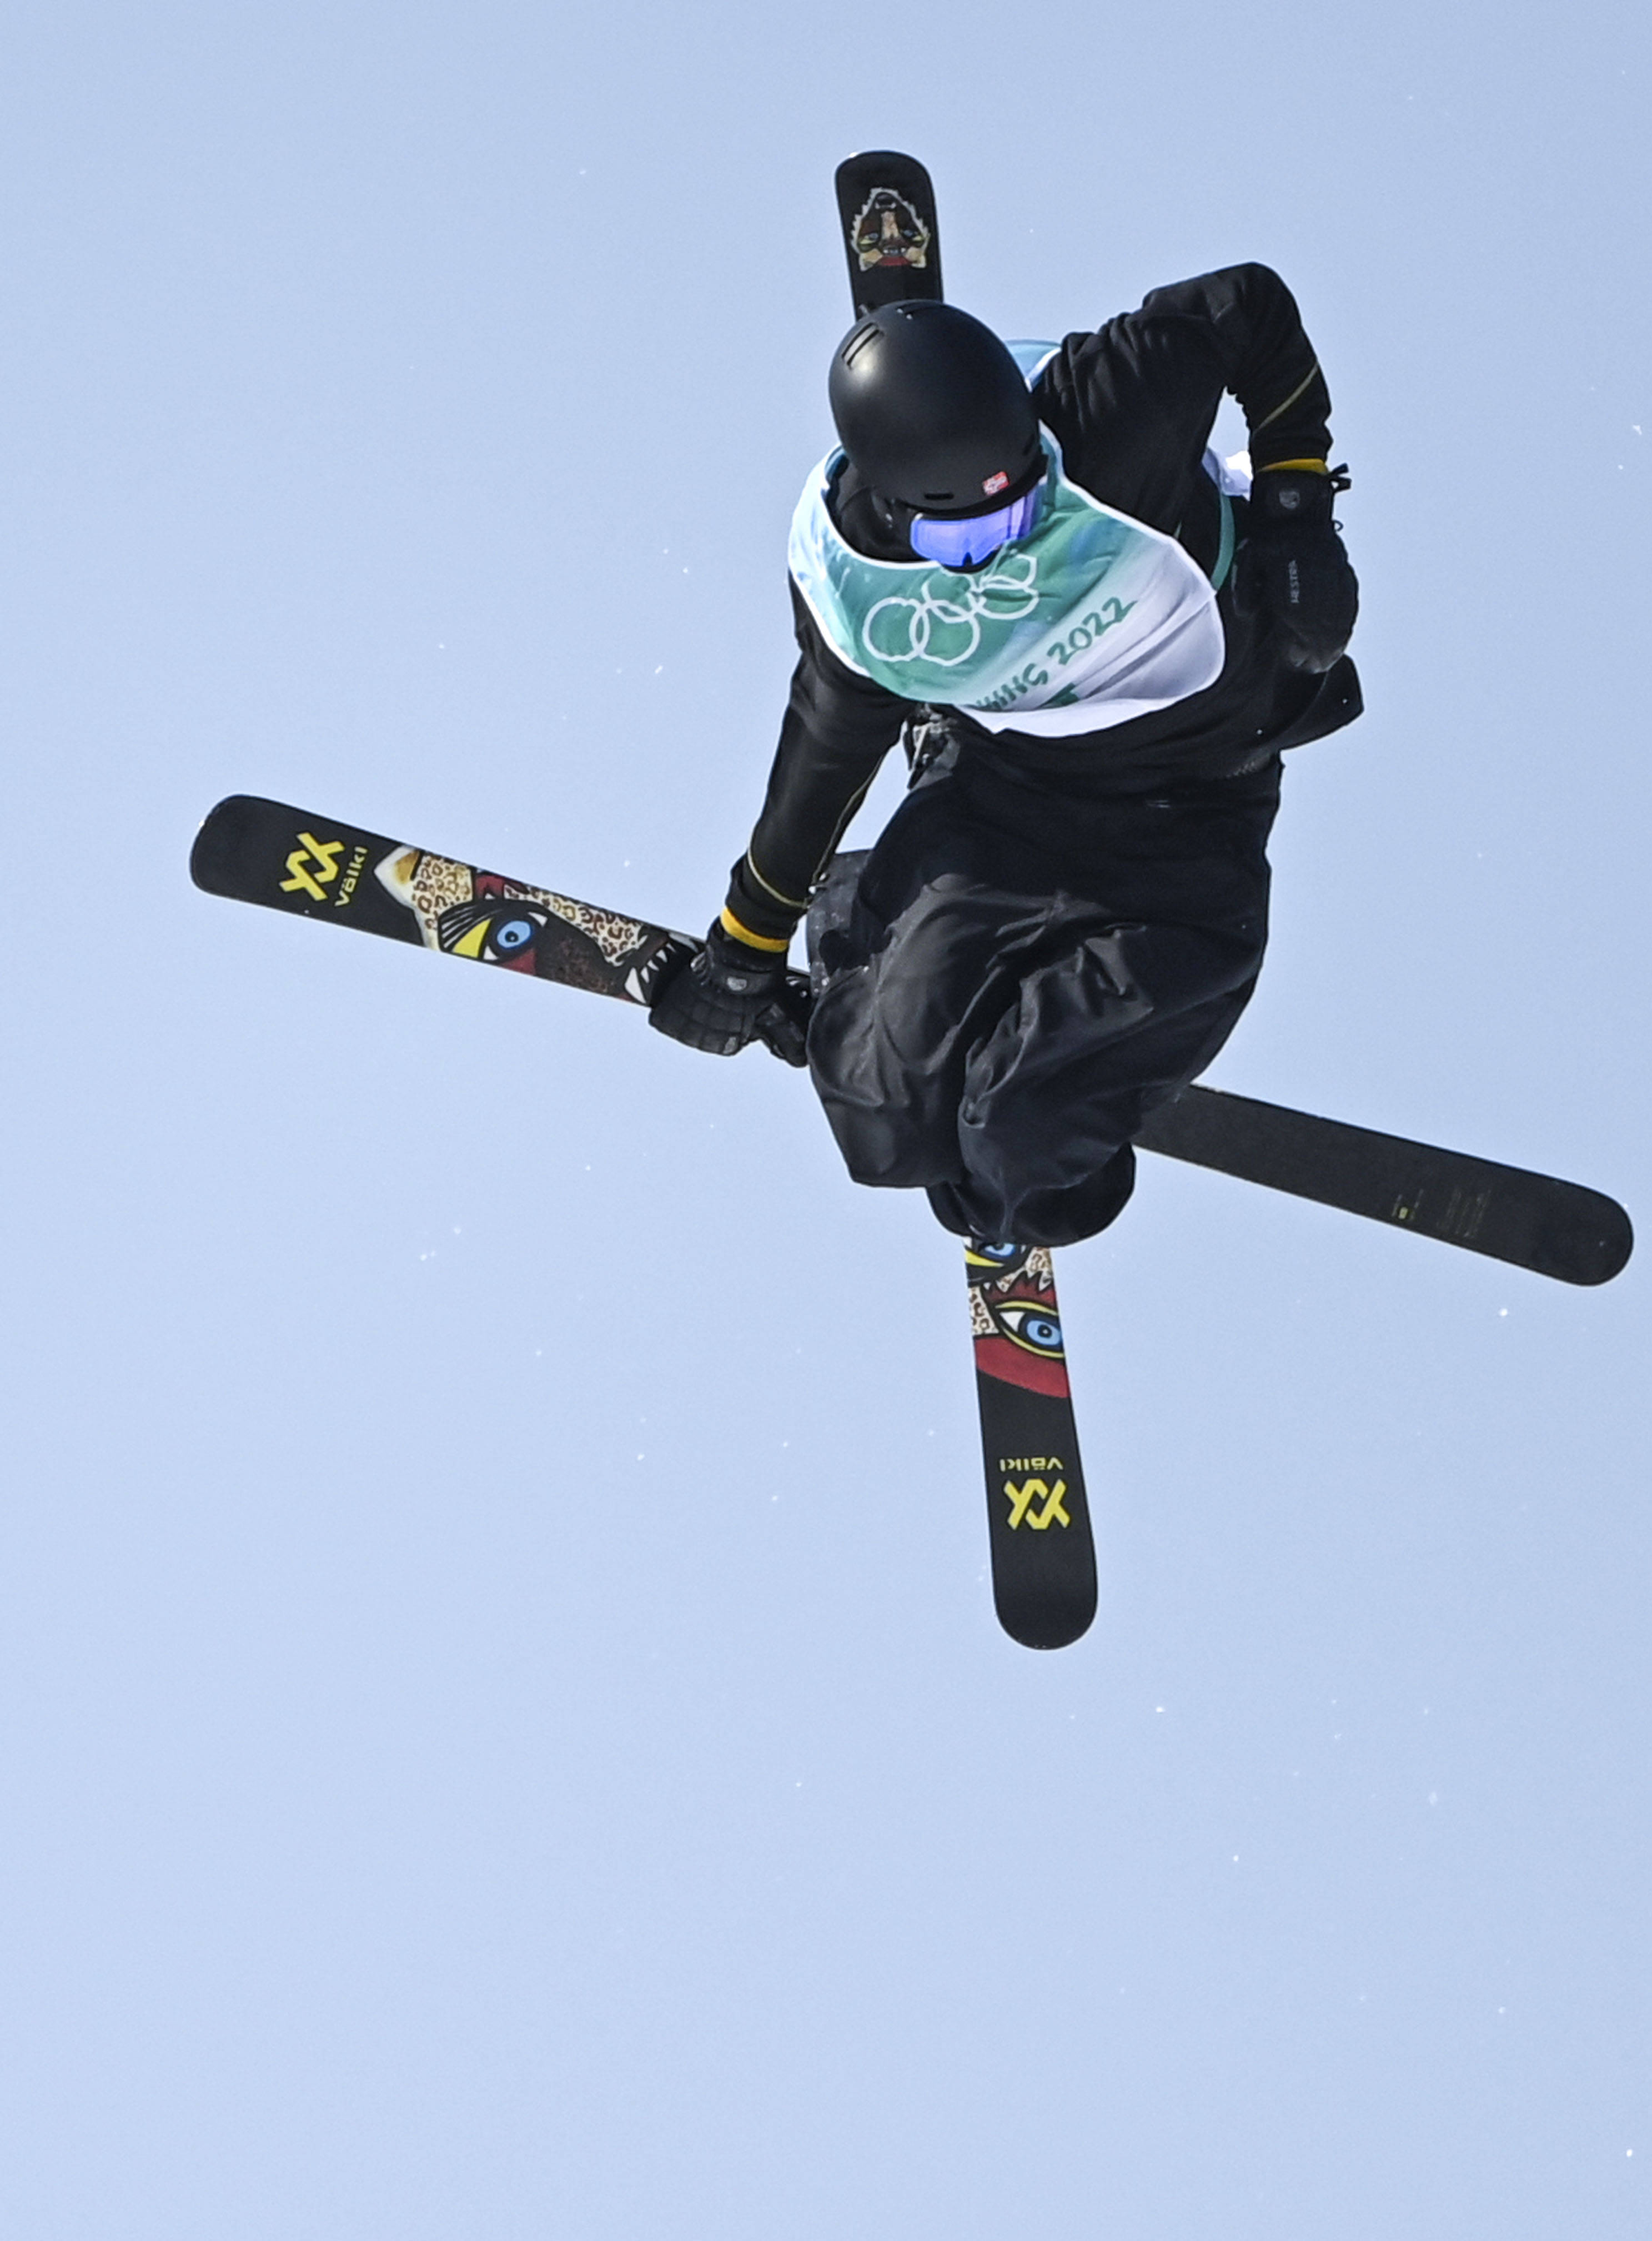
{"x":867,"y":333}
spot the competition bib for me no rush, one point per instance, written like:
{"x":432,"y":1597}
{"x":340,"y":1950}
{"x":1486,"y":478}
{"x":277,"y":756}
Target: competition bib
{"x":1093,"y":620}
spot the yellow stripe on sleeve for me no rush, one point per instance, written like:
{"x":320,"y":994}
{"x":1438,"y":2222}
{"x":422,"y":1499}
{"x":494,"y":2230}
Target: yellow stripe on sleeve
{"x":790,"y":902}
{"x":1269,"y":420}
{"x":730,"y":924}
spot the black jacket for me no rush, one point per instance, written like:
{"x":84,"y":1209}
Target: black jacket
{"x":1131,"y":407}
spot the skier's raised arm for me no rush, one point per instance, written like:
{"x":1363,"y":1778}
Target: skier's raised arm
{"x":1131,"y":406}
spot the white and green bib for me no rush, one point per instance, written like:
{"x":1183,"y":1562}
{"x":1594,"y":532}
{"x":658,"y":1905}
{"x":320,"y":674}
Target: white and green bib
{"x":1093,"y":620}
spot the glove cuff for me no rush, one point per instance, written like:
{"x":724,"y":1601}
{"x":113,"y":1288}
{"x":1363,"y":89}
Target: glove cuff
{"x":737,"y":967}
{"x":1296,"y":495}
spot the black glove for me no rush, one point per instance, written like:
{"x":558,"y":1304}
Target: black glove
{"x":728,"y":995}
{"x":1292,"y":571}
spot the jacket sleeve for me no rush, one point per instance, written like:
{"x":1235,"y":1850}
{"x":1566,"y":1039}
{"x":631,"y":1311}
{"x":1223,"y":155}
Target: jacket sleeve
{"x":1132,"y":404}
{"x":837,"y":729}
{"x":1256,"y":335}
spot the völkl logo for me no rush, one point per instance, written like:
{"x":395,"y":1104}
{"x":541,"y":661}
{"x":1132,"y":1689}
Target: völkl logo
{"x":1022,"y":1498}
{"x":312,"y":865}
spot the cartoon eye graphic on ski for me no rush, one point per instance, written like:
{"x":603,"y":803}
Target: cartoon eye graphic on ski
{"x":982,"y":1259}
{"x":494,"y":932}
{"x":1030,"y":1326}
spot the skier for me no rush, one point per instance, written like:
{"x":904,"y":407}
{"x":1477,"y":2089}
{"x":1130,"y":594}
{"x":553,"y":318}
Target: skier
{"x":1096,"y":638}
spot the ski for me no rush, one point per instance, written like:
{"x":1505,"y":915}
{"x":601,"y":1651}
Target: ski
{"x":1554,"y":1228}
{"x":254,"y":851}
{"x":891,"y":236}
{"x":1038,"y":1518}
{"x":1043,"y":1552}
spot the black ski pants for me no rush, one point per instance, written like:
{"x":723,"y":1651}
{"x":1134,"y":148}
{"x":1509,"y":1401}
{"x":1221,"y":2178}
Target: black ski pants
{"x":1020,"y":977}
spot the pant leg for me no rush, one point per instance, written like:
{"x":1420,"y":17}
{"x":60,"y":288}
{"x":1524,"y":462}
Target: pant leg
{"x":1054,"y":1097}
{"x":1013,"y":993}
{"x":908,"y":978}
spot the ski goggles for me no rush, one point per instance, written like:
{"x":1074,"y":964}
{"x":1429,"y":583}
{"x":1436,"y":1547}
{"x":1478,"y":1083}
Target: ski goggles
{"x":954,"y":541}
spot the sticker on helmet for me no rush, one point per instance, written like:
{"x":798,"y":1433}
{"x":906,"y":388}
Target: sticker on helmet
{"x":995,"y":483}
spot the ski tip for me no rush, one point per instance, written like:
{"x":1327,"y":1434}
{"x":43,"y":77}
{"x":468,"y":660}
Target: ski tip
{"x":1050,"y":1625}
{"x":220,"y":842}
{"x":1598,"y":1246}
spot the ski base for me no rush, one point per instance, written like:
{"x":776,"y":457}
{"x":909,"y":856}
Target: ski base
{"x":1043,"y":1552}
{"x":1554,"y":1229}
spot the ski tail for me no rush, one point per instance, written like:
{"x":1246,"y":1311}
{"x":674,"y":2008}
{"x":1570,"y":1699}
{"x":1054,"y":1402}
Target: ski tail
{"x":1043,"y":1552}
{"x":890,"y":234}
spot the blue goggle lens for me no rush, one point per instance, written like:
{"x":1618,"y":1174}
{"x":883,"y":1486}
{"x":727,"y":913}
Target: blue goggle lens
{"x":954,"y":544}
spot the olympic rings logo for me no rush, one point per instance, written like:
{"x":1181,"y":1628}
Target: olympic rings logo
{"x":947,"y":632}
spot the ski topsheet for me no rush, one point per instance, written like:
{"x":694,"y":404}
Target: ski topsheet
{"x":891,"y":235}
{"x":254,"y":851}
{"x":263,"y":851}
{"x":1038,"y":1517}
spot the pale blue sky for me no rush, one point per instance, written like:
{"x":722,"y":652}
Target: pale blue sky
{"x":504,"y":1729}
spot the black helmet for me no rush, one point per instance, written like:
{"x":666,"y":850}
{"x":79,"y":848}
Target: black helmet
{"x":934,"y":412}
